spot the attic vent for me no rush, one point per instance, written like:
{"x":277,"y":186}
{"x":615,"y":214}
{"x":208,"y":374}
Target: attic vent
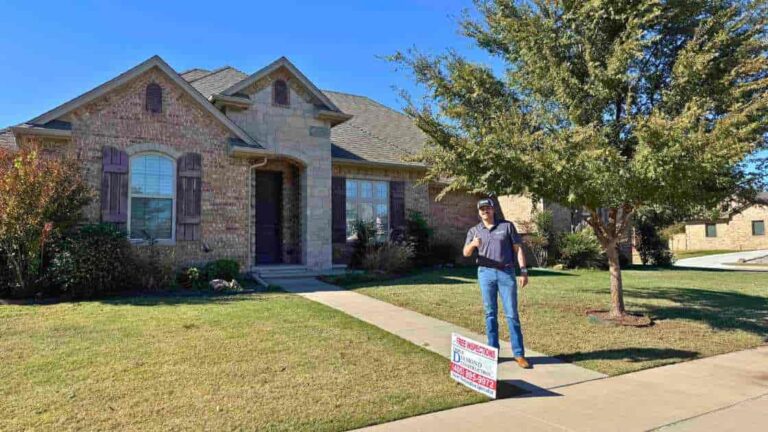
{"x":280,"y":94}
{"x":154,"y":98}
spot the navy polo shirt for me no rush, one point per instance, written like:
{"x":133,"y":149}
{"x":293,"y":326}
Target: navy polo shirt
{"x":495,"y":243}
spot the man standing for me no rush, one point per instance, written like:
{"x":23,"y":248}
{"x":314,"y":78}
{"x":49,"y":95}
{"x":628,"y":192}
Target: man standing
{"x":497,"y":244}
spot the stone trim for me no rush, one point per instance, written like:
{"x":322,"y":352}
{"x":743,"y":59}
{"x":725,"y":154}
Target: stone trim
{"x":153,"y":148}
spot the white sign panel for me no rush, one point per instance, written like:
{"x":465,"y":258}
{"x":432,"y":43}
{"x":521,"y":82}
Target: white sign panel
{"x":474,"y":364}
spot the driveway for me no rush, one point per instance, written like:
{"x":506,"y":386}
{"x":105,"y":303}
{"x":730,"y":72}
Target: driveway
{"x":722,"y":261}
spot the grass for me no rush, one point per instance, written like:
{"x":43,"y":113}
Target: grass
{"x":700,"y":253}
{"x":267,"y":361}
{"x":696,"y":313}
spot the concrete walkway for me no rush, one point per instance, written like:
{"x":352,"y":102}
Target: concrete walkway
{"x":726,"y":392}
{"x":548,"y":373}
{"x":722,"y":261}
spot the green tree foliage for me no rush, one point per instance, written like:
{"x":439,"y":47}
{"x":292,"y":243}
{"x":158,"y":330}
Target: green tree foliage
{"x":604,"y":104}
{"x":39,"y":198}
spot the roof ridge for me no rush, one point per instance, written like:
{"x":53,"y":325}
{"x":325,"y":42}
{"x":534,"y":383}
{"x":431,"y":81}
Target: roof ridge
{"x":192,"y":70}
{"x":215,"y":71}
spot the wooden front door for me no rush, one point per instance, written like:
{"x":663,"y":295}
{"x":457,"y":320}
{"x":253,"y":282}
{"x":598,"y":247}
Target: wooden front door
{"x":268,"y":200}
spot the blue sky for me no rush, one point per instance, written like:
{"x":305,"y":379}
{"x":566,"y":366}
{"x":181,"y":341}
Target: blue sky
{"x":51,"y":52}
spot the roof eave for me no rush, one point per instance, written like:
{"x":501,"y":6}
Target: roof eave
{"x":334,"y":117}
{"x":230,"y":101}
{"x":27,"y":129}
{"x":377,"y":164}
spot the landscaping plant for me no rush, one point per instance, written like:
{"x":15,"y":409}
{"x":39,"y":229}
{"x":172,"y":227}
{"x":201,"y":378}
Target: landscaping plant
{"x":39,"y":198}
{"x":610,"y":106}
{"x":92,"y":260}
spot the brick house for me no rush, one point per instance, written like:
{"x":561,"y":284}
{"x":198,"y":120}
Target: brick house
{"x":741,"y":229}
{"x":263,"y":168}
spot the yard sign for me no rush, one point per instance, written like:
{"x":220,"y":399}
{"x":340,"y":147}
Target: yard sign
{"x":474,"y":364}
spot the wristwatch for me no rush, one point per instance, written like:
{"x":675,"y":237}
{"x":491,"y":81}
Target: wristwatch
{"x":523,"y":271}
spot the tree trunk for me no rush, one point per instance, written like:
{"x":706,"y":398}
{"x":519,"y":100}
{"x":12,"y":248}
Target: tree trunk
{"x":617,"y":288}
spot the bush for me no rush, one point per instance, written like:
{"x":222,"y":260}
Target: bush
{"x":443,"y":250}
{"x":225,"y":269}
{"x":580,"y":250}
{"x":39,"y":199}
{"x":153,"y":270}
{"x":92,"y":260}
{"x":365,"y":237}
{"x":538,"y":245}
{"x":419,"y":234}
{"x":389,"y":257}
{"x":652,"y":247}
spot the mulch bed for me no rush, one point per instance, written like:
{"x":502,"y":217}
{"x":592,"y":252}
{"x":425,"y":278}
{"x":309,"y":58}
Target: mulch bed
{"x":628,"y":319}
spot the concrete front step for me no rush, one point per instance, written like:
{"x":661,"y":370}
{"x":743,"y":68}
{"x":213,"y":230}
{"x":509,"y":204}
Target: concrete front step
{"x":293,"y":271}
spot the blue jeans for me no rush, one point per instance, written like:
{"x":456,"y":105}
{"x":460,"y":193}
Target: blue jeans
{"x":494,"y":282}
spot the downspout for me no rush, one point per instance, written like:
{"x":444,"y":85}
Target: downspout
{"x":250,"y":219}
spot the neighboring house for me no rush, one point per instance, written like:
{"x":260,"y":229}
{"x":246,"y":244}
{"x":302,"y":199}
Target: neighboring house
{"x":744,"y":228}
{"x":263,"y":168}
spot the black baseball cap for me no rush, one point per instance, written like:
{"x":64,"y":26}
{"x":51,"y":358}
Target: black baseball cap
{"x":485,"y":202}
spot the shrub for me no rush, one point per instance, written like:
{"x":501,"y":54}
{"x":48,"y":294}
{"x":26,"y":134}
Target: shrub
{"x":652,"y":247}
{"x":225,"y":269}
{"x":538,"y":244}
{"x":365,"y":236}
{"x":580,"y":250}
{"x":419,"y":233}
{"x":389,"y":257}
{"x":153,"y":270}
{"x":442,"y":250}
{"x":91,"y":260}
{"x":39,"y":199}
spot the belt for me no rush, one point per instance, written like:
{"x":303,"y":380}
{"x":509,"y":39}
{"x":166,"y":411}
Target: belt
{"x":486,"y":262}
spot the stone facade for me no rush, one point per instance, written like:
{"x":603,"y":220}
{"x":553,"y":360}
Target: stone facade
{"x":733,"y":234}
{"x":288,"y":132}
{"x":451,"y":217}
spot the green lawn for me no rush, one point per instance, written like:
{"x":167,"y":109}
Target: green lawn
{"x":246,"y":362}
{"x":696,"y":313}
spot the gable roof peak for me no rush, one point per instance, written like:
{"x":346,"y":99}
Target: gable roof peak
{"x":152,"y":62}
{"x":293,"y":70}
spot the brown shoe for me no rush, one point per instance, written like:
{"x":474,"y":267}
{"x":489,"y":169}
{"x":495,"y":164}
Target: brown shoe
{"x":522,"y":362}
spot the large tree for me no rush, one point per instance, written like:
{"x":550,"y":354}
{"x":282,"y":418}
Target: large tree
{"x":608,"y":105}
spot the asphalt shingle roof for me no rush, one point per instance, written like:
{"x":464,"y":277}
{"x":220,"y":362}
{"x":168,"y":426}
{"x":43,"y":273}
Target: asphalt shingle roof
{"x":376,"y":133}
{"x":216,"y":81}
{"x":194,"y":74}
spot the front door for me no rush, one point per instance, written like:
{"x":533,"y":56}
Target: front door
{"x":268,"y":221}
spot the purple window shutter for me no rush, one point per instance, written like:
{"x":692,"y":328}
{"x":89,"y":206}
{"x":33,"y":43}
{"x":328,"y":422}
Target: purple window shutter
{"x":114,"y":187}
{"x":154,"y":98}
{"x":397,"y":204}
{"x":189,"y":178}
{"x":339,"y":209}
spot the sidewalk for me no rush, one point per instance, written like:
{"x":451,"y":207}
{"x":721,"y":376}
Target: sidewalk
{"x":726,"y":392}
{"x":722,"y":261}
{"x":548,"y":373}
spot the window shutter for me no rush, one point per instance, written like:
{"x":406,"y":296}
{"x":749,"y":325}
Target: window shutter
{"x":189,"y":178}
{"x":339,"y":209}
{"x":397,"y":204}
{"x":114,"y":187}
{"x":154,"y":98}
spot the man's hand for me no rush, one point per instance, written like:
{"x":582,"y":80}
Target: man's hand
{"x":475,"y":242}
{"x":522,"y":281}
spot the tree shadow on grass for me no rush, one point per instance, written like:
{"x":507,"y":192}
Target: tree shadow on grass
{"x":721,"y":310}
{"x":453,"y":276}
{"x":630,"y":354}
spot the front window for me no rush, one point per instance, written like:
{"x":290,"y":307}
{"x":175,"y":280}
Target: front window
{"x":758,"y":228}
{"x":368,"y":201}
{"x":151,"y":197}
{"x":711,"y":230}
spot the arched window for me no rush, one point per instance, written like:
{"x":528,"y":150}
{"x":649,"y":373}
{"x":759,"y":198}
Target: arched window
{"x":280,"y":93}
{"x":151,"y":197}
{"x":154,"y":98}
